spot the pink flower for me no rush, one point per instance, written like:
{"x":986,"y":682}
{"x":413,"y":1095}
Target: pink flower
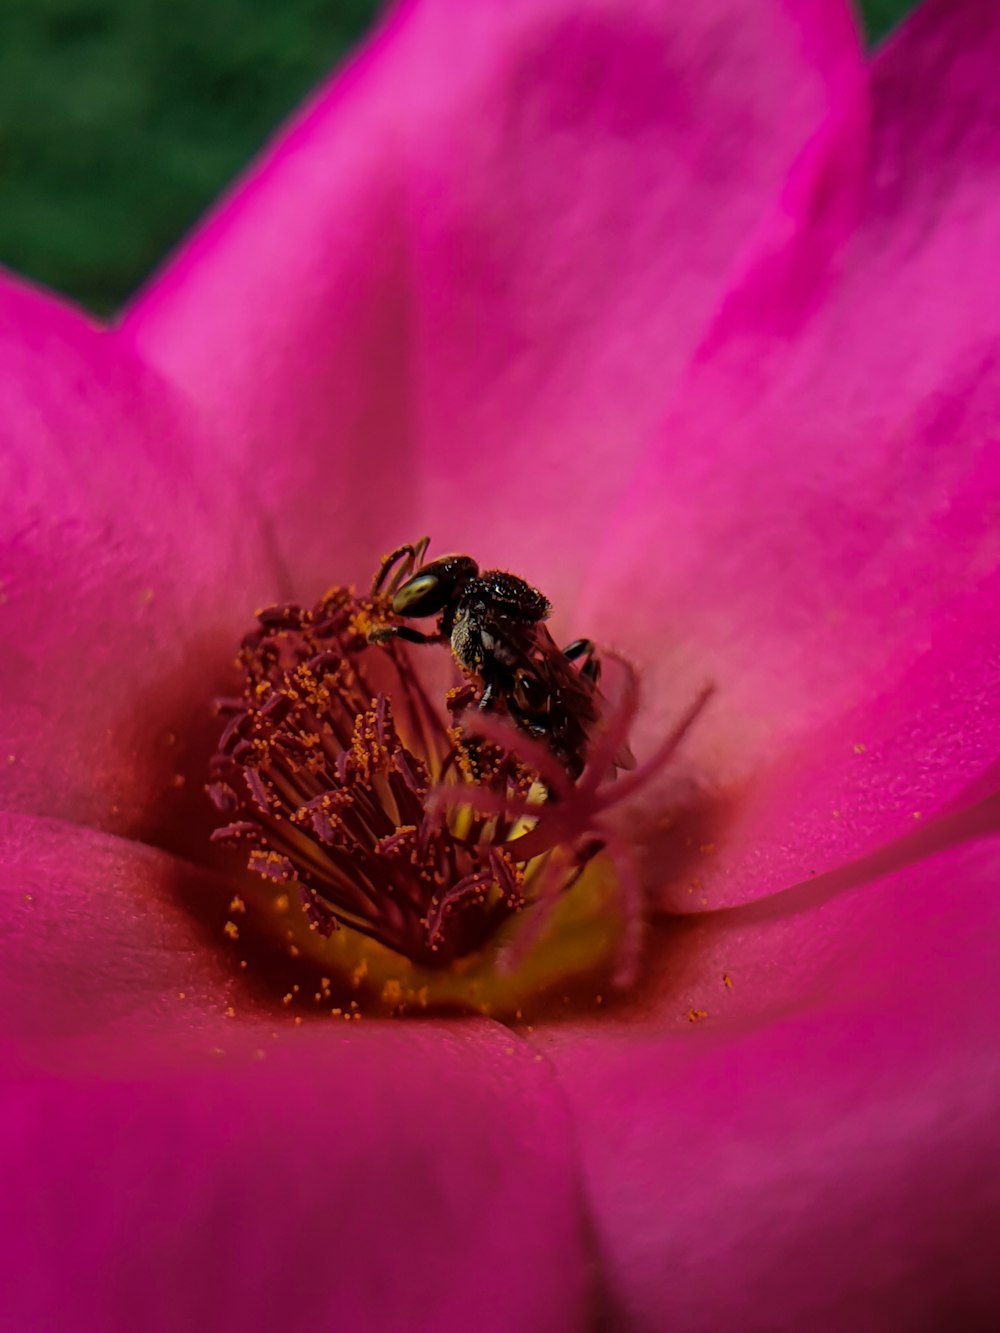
{"x":691,"y":316}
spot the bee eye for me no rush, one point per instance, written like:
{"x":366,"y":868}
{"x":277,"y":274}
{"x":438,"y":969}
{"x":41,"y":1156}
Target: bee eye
{"x":422,"y":595}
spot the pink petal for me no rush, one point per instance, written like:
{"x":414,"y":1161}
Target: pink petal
{"x":166,"y":1166}
{"x":458,"y":292}
{"x":817,"y":531}
{"x":879,"y":771}
{"x":819,"y":1148}
{"x":102,"y":947}
{"x":123,"y":572}
{"x":344,"y":1179}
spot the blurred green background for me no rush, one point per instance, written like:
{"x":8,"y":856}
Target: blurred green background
{"x":120,"y":120}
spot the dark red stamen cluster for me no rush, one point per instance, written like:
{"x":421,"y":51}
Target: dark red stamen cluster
{"x":327,"y":782}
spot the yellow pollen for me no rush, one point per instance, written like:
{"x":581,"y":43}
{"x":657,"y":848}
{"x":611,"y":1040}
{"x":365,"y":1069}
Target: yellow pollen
{"x":359,"y":973}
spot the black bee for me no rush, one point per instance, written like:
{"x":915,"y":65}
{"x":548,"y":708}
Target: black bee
{"x":494,"y":623}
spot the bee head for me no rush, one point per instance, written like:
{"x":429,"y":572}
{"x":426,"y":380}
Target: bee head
{"x":434,"y":586}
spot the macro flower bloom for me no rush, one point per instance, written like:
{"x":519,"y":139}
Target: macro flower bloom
{"x":689,"y":314}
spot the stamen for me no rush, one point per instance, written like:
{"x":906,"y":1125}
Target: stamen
{"x":331,"y":792}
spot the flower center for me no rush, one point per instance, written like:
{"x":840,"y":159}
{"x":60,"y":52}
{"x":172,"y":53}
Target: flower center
{"x":427,"y":851}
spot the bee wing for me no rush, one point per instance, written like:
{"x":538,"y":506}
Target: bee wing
{"x":544,"y":670}
{"x":580,"y":693}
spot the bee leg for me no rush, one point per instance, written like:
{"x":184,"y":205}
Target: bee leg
{"x":386,"y":632}
{"x":403,"y":560}
{"x":586,"y":649}
{"x":489,"y":697}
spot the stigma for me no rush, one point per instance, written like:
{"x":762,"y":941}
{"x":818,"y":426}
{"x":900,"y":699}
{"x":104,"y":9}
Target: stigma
{"x":418,"y":841}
